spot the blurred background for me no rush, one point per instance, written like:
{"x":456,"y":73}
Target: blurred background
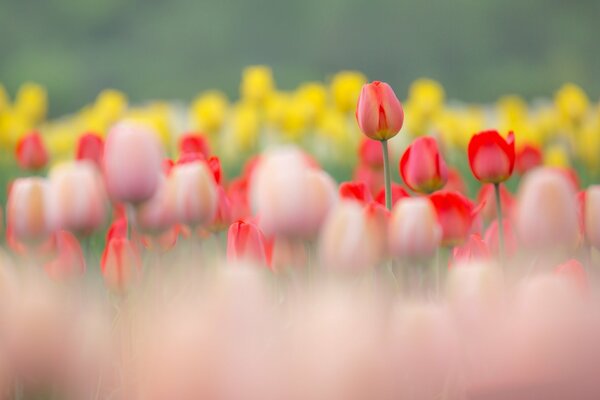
{"x":174,"y":49}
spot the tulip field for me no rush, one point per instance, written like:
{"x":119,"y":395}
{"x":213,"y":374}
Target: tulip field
{"x":334,"y":241}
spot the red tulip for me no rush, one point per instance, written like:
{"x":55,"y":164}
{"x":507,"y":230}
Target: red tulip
{"x":121,"y":263}
{"x":455,"y":182}
{"x":223,"y":214}
{"x":492,"y":158}
{"x":90,"y":147}
{"x":69,"y":260}
{"x":398,"y":193}
{"x":355,"y":191}
{"x":422,"y":167}
{"x":238,"y":197}
{"x":369,"y":175}
{"x":456,"y":214}
{"x":31,"y":152}
{"x":194,"y":143}
{"x":245,"y":241}
{"x":472,"y":250}
{"x":527,"y":158}
{"x":379,"y":113}
{"x":370,"y":153}
{"x":574,"y":271}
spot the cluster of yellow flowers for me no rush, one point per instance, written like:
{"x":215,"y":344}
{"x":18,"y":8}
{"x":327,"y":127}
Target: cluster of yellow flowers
{"x":317,"y":115}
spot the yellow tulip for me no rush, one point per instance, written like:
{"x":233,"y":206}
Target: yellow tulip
{"x":556,"y":156}
{"x":209,"y":110}
{"x":257,"y":84}
{"x":31,"y":102}
{"x":426,"y":96}
{"x":512,"y":110}
{"x":245,"y":127}
{"x":587,"y":145}
{"x":110,"y":105}
{"x":572,"y":102}
{"x":314,"y":95}
{"x":345,"y":89}
{"x":295,"y":118}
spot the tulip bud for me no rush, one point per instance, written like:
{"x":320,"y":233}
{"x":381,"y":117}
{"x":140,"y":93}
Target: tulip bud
{"x":456,"y":216}
{"x":379,"y":113}
{"x":90,"y":147}
{"x":194,"y":143}
{"x":121,"y":263}
{"x":132,"y":163}
{"x":194,"y":192}
{"x":245,"y":241}
{"x":77,"y":197}
{"x":398,"y":193}
{"x":290,"y":195}
{"x":491,"y":157}
{"x":591,"y":215}
{"x":353,"y":237}
{"x":527,"y":158}
{"x":28,"y":214}
{"x":414,"y":231}
{"x":422,"y":167}
{"x":31,"y":152}
{"x":546,"y":211}
{"x":355,"y":191}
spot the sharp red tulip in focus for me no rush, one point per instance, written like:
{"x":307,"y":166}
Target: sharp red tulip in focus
{"x":379,"y":113}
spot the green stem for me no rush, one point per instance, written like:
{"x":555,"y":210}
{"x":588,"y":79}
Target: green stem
{"x":387,"y":175}
{"x":500,"y":222}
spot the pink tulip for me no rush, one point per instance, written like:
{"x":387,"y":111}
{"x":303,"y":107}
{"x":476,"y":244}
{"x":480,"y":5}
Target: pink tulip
{"x":422,"y":167}
{"x":31,"y":152}
{"x":473,"y":249}
{"x":157,"y":214}
{"x":353,"y":237}
{"x":132,"y":163}
{"x":290,"y":196}
{"x":573,"y":271}
{"x":246,"y":242}
{"x":28,"y":215}
{"x":121,"y":261}
{"x":77,"y":197}
{"x":369,"y":153}
{"x":69,"y":260}
{"x":194,"y":192}
{"x":414,"y":231}
{"x":379,"y":113}
{"x":546,"y":211}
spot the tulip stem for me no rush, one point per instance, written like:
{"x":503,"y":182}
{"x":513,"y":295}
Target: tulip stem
{"x":387,"y":175}
{"x":500,"y":222}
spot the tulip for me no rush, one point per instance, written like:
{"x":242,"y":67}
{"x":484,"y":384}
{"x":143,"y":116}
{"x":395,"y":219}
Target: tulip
{"x":69,"y":260}
{"x":290,"y":196}
{"x":398,"y":193}
{"x":371,"y":177}
{"x":223,"y":215}
{"x":491,"y":157}
{"x":209,"y":110}
{"x":422,"y":167}
{"x":369,"y":153}
{"x":455,"y":182}
{"x":31,"y":152}
{"x":591,"y":215}
{"x":346,"y":88}
{"x":379,"y":113}
{"x":121,"y":263}
{"x":132,"y":163}
{"x":194,"y":143}
{"x":257,"y":84}
{"x":456,"y":215}
{"x":194,"y":192}
{"x":353,"y":237}
{"x":245,"y":241}
{"x":28,"y":214}
{"x":90,"y":147}
{"x":77,"y":197}
{"x":355,"y":191}
{"x":546,"y":211}
{"x":472,"y":250}
{"x":238,"y":197}
{"x":527,"y":158}
{"x":414,"y":231}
